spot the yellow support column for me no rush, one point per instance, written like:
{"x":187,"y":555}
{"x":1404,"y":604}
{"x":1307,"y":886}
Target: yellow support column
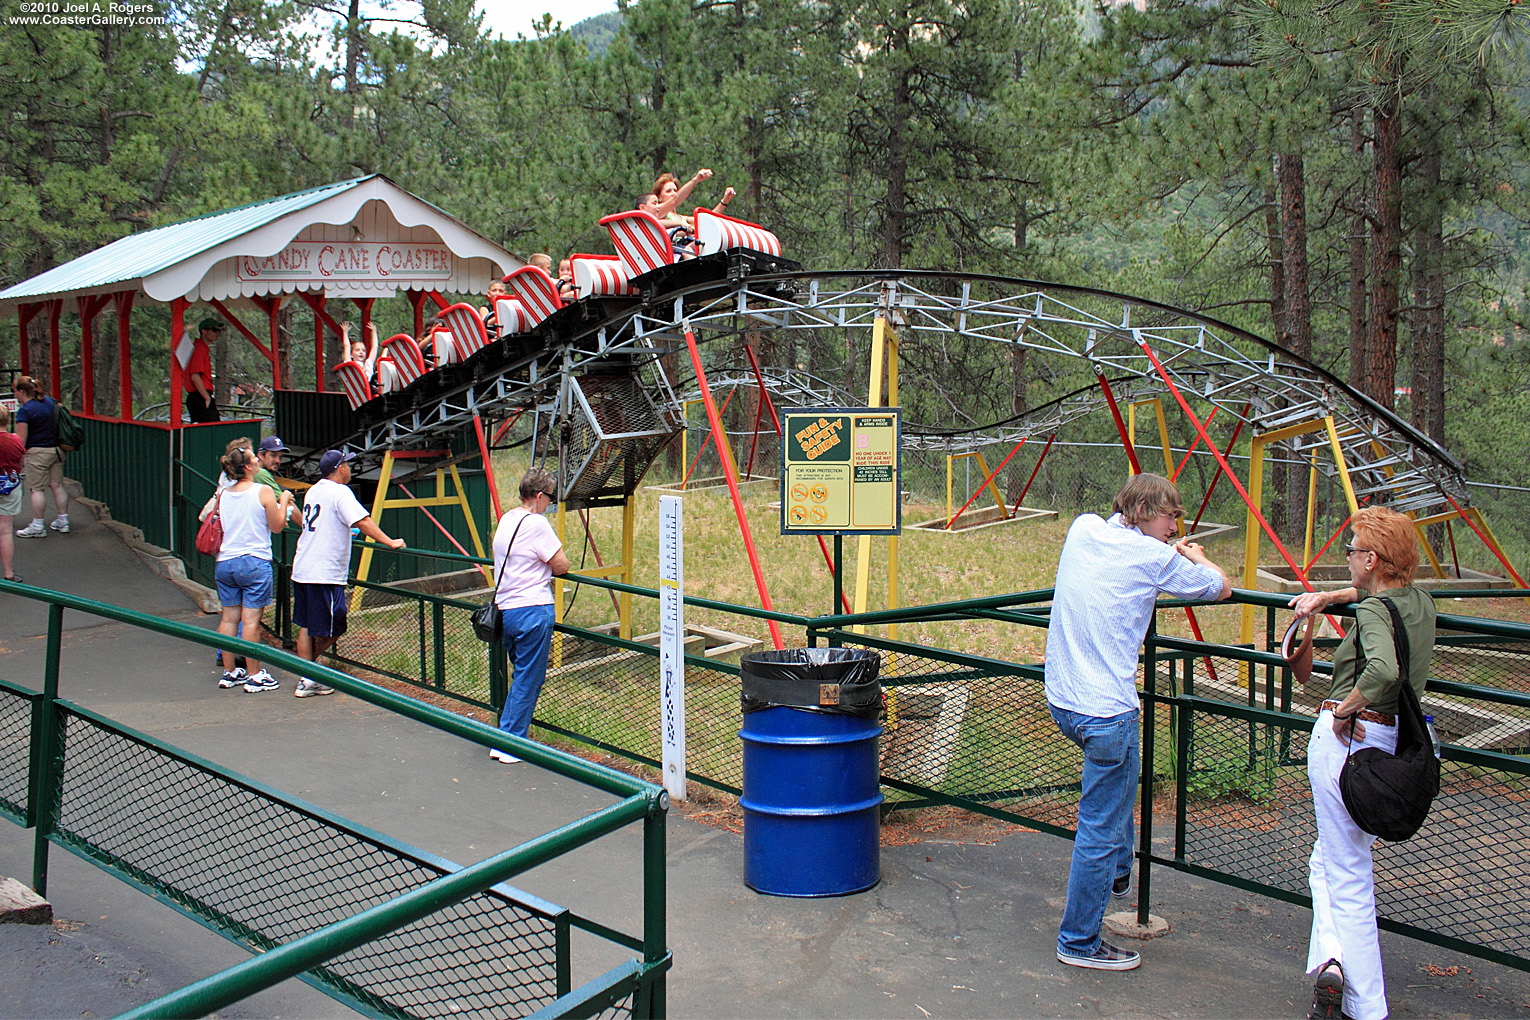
{"x":379,"y":502}
{"x":879,"y":331}
{"x":1311,"y":507}
{"x":629,"y":515}
{"x":1338,"y":459}
{"x":1255,"y":489}
{"x":892,"y":540}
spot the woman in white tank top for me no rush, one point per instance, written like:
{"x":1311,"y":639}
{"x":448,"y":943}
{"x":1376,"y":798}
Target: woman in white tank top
{"x":251,"y":514}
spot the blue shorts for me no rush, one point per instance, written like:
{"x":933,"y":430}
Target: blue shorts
{"x":245,"y":581}
{"x":319,"y":608}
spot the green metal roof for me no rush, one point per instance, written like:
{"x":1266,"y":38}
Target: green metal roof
{"x":139,"y":255}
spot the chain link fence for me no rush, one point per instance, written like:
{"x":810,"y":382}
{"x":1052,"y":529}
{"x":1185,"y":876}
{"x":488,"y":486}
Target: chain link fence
{"x":298,"y":884}
{"x":15,"y":751}
{"x":242,"y":860}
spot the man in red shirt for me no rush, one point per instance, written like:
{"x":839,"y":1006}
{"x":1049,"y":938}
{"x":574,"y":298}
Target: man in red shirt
{"x":201,"y":405}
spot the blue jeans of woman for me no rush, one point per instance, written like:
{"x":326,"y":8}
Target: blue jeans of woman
{"x":527,"y":636}
{"x":1102,"y":849}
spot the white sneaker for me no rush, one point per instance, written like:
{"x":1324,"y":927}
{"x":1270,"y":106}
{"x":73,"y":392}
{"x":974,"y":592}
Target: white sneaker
{"x":498,"y":755}
{"x":33,"y":530}
{"x":60,"y":526}
{"x":307,"y":688}
{"x":262,"y":681}
{"x":233,"y":678}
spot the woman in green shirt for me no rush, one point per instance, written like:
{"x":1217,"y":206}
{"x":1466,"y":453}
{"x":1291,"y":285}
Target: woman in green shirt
{"x":1343,"y":951}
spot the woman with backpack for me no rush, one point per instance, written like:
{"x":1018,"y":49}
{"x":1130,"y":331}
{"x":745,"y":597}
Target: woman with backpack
{"x":37,"y":427}
{"x":1343,"y":953}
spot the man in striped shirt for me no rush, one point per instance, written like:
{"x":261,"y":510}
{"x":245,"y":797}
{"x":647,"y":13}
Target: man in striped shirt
{"x":1109,"y":576}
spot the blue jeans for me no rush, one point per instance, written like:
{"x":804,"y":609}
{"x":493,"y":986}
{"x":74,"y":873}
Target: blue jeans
{"x":1102,"y":849}
{"x":527,"y":636}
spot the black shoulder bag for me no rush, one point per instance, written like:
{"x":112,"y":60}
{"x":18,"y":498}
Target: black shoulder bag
{"x":486,"y":619}
{"x":1390,"y":794}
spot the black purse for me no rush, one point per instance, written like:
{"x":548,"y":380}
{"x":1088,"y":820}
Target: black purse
{"x":486,"y":620}
{"x":1390,"y":794}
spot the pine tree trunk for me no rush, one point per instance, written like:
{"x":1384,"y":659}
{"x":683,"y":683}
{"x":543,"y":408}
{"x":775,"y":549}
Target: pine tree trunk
{"x":1386,"y":256}
{"x":1279,"y":476}
{"x":1357,"y":287}
{"x":1291,"y":173}
{"x":896,"y":225}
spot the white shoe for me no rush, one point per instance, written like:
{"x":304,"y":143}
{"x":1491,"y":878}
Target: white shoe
{"x":262,"y":681}
{"x":233,"y":678}
{"x":307,"y":688}
{"x":33,"y":530}
{"x":60,"y":526}
{"x":498,"y":755}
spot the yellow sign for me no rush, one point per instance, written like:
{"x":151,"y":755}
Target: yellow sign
{"x":841,"y":471}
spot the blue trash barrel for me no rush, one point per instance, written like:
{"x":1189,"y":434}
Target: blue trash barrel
{"x":811,"y":795}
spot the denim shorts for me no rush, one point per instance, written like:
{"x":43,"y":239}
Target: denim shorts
{"x":319,"y":608}
{"x":245,"y":581}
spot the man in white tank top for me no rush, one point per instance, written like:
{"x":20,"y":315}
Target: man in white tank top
{"x":322,"y":563}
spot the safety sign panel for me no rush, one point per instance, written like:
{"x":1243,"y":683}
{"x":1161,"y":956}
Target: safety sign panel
{"x":842,"y":471}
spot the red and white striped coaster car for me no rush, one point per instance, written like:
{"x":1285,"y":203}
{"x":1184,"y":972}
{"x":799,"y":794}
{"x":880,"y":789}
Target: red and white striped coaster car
{"x":407,"y":359}
{"x":640,"y":240}
{"x":467,"y":333}
{"x":600,"y":276}
{"x":536,"y":291}
{"x":353,"y":375}
{"x":716,"y":232}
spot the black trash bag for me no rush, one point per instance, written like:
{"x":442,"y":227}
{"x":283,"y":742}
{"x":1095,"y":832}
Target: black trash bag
{"x":842,"y":681}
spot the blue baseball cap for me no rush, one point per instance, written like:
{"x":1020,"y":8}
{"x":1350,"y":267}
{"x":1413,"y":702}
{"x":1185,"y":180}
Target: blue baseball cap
{"x":332,"y":459}
{"x":272,"y":444}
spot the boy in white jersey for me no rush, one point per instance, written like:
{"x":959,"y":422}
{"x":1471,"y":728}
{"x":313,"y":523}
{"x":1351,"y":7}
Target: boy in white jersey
{"x":322,"y":563}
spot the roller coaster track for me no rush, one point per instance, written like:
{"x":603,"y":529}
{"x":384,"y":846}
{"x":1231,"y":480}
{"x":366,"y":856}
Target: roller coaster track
{"x":593,"y":373}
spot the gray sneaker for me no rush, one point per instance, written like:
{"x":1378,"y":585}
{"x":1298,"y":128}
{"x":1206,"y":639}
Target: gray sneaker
{"x":307,"y":688}
{"x":1107,"y":957}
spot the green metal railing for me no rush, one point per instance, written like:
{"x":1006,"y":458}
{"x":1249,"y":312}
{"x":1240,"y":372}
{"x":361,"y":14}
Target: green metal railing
{"x":1224,"y":758}
{"x":392,"y":931}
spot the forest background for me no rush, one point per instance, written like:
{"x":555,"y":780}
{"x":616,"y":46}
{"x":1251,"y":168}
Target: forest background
{"x":1350,"y":179}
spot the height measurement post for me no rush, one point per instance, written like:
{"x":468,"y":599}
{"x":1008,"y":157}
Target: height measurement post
{"x":672,"y":643}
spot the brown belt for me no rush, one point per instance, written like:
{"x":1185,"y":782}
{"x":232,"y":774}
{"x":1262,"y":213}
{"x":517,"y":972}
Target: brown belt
{"x":1365,"y":714}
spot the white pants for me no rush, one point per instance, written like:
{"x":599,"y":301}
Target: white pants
{"x":1343,"y":885}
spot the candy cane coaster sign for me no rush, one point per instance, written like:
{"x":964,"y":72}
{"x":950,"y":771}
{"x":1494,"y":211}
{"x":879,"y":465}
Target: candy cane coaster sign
{"x":672,"y":643}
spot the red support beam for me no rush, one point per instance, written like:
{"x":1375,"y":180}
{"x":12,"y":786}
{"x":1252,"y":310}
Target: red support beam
{"x":417,"y":299}
{"x":272,"y":306}
{"x":177,"y":380}
{"x":123,"y":302}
